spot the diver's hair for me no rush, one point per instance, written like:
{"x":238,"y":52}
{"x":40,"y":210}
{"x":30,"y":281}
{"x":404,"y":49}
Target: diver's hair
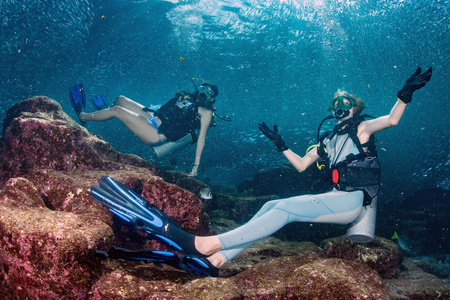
{"x":212,"y":86}
{"x":359,"y":103}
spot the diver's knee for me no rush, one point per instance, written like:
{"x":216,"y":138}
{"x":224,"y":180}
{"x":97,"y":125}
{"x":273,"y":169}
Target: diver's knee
{"x":281,"y":205}
{"x":118,"y":112}
{"x":269,"y":204}
{"x":116,"y":109}
{"x":120,"y":100}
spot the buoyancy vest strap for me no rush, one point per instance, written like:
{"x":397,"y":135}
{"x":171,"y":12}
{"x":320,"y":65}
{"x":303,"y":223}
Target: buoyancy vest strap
{"x":352,"y":130}
{"x":370,"y":142}
{"x":353,"y":133}
{"x":336,"y":130}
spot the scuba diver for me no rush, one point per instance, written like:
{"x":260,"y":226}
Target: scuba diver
{"x":182,"y":116}
{"x":354,"y":171}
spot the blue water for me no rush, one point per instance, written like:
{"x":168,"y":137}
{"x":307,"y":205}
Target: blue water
{"x":273,"y":61}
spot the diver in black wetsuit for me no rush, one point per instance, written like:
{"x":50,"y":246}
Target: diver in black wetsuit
{"x":182,"y":115}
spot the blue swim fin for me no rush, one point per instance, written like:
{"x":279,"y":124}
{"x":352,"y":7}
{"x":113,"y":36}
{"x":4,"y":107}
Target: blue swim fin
{"x":135,"y":210}
{"x":78,"y":98}
{"x":197,"y":265}
{"x":99,"y":102}
{"x":166,"y":257}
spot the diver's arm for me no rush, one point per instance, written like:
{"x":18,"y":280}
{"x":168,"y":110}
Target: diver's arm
{"x":370,"y":127}
{"x":205,"y":121}
{"x":301,"y":163}
{"x":412,"y":84}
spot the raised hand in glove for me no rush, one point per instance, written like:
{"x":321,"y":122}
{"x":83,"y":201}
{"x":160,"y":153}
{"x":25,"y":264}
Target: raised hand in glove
{"x":274,"y":136}
{"x":415,"y":82}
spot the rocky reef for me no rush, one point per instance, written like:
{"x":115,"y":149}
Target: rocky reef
{"x":50,"y":226}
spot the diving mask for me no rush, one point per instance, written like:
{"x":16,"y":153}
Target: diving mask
{"x":340,"y":108}
{"x":206,"y":94}
{"x":203,"y":89}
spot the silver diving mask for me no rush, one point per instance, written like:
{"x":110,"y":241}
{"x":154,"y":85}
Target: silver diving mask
{"x":203,"y":89}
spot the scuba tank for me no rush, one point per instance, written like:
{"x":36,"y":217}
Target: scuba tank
{"x":169,"y":148}
{"x":362,"y":229}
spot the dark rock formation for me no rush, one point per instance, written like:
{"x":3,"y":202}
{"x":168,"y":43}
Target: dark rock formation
{"x":285,"y":181}
{"x":423,"y":218}
{"x":37,"y":134}
{"x":46,"y":254}
{"x":382,"y":255}
{"x":300,"y":276}
{"x":48,"y":222}
{"x":416,"y":283}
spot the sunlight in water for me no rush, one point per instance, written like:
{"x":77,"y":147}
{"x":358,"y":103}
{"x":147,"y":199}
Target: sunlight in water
{"x":316,"y":3}
{"x":299,"y":4}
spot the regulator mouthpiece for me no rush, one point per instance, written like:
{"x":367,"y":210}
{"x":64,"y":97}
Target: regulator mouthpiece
{"x":341,"y":113}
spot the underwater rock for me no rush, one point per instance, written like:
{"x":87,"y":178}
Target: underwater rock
{"x":38,"y":134}
{"x":417,"y":282}
{"x":57,"y":223}
{"x":45,"y":254}
{"x":284,"y":181}
{"x":382,"y":255}
{"x":423,"y":217}
{"x":179,"y":204}
{"x":186,"y":182}
{"x":265,"y":250}
{"x":49,"y":223}
{"x":270,"y":269}
{"x":430,"y":268}
{"x":236,"y":207}
{"x":300,"y":276}
{"x":338,"y":279}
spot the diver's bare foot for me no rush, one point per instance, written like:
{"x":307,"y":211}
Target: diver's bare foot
{"x":207,"y":245}
{"x":81,"y":117}
{"x":217,"y":260}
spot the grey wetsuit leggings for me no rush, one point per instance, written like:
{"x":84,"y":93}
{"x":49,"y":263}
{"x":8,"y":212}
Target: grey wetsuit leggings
{"x":335,"y":207}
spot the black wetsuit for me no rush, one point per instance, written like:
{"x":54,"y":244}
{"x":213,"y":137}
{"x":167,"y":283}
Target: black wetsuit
{"x":176,"y":121}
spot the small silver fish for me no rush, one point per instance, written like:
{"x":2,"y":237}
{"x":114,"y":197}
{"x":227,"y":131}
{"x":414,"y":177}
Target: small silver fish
{"x":205,"y":194}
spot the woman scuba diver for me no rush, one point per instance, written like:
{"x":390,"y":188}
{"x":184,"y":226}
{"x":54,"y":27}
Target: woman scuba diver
{"x":183,"y":115}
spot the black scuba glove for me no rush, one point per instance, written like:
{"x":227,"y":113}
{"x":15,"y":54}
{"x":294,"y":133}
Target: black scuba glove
{"x":274,"y":136}
{"x":415,"y":82}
